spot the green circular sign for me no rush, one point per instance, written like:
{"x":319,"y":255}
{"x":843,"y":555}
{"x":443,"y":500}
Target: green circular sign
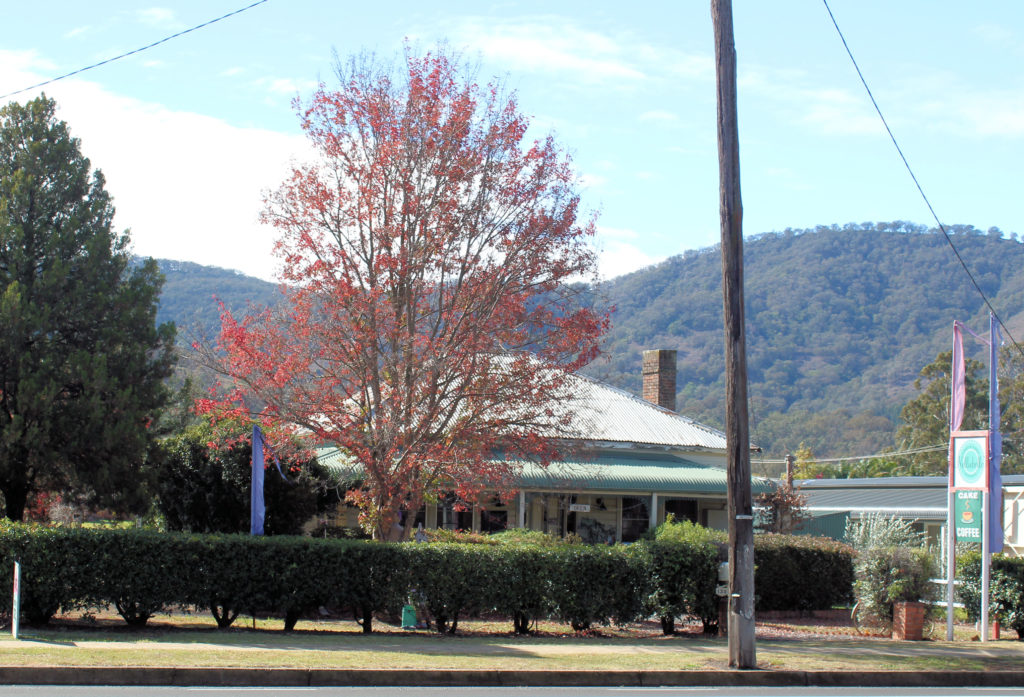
{"x":970,"y":460}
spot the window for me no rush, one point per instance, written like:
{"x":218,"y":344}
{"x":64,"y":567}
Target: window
{"x":636,"y":518}
{"x":682,"y":509}
{"x":450,"y":518}
{"x":493,"y":521}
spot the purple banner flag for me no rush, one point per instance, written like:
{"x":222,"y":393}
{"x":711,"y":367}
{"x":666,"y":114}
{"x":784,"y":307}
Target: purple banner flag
{"x":958,"y":396}
{"x":257,"y":509}
{"x":995,"y":479}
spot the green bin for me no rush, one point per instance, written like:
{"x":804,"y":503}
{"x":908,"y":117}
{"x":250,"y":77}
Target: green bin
{"x":408,"y":617}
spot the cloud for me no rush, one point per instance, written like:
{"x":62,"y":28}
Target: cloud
{"x":77,"y":31}
{"x":994,"y":34}
{"x":156,"y":16}
{"x":548,"y":44}
{"x":617,"y":255}
{"x":831,"y":110}
{"x":286,"y":86}
{"x":618,"y":233}
{"x":994,"y":114}
{"x":189,"y":186}
{"x":935,"y":100}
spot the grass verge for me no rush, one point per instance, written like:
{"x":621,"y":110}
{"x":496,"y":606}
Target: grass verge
{"x":182,"y":641}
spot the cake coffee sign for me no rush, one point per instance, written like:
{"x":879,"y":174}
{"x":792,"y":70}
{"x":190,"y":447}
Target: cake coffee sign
{"x":967,"y":515}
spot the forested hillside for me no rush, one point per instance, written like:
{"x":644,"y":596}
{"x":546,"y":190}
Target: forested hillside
{"x":840,"y":321}
{"x":192,"y":295}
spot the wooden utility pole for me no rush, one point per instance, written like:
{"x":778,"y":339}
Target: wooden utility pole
{"x":742,"y":652}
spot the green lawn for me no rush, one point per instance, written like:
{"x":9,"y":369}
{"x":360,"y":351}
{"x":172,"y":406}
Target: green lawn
{"x":194,"y":641}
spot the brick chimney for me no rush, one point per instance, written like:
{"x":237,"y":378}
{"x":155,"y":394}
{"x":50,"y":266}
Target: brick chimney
{"x":659,"y":371}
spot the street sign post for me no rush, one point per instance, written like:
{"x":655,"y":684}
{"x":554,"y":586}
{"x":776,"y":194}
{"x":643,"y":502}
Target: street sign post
{"x":968,"y":508}
{"x":16,"y":604}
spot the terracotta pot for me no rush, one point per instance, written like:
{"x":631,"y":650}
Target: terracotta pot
{"x":908,"y":621}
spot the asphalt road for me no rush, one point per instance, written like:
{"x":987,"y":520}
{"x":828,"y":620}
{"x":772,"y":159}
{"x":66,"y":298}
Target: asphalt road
{"x":113,"y":691}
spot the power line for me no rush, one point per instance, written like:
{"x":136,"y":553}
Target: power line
{"x":131,"y":53}
{"x":860,"y":458}
{"x":916,"y":183}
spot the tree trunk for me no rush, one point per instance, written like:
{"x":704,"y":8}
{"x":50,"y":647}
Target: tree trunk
{"x":367,"y":619}
{"x":521,"y":623}
{"x":223,"y":614}
{"x":15,"y":500}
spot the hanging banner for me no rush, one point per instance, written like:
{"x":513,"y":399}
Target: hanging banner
{"x":968,"y":460}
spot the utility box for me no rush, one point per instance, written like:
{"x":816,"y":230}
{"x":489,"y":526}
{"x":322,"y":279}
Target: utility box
{"x":408,"y":617}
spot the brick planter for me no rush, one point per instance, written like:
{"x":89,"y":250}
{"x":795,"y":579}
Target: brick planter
{"x":908,"y":621}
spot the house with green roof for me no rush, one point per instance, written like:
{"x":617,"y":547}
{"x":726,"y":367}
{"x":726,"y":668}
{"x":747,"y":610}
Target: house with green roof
{"x":628,"y":463}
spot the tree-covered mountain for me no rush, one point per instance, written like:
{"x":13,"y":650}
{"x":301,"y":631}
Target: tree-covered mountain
{"x":839,"y":323}
{"x":840,"y":320}
{"x":192,"y":295}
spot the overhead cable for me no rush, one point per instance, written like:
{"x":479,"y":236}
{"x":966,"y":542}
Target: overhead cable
{"x":131,"y":53}
{"x":860,"y":458}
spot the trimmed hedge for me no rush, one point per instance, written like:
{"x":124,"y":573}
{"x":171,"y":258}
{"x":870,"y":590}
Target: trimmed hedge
{"x":797,"y":572}
{"x":143,"y":573}
{"x":1006,"y":589}
{"x":684,"y":573}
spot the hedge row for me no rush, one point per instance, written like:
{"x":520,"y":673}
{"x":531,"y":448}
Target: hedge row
{"x":143,"y":573}
{"x":1006,"y":589}
{"x":797,"y":572}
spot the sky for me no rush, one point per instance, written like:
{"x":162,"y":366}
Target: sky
{"x":192,"y":133}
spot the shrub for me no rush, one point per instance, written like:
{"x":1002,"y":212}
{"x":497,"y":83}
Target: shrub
{"x":204,"y":488}
{"x":684,"y":573}
{"x":1006,"y":590}
{"x":139,"y":572}
{"x":528,"y":575}
{"x":454,"y":580}
{"x":879,"y":530}
{"x":459,"y":537}
{"x":887,"y":575}
{"x":968,"y":591}
{"x":600,"y":584}
{"x":524,"y":536}
{"x":784,"y":565}
{"x":369,"y":577}
{"x":54,"y":563}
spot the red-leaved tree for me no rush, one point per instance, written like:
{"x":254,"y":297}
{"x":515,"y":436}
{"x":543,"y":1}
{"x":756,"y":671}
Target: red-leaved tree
{"x":429,"y":256}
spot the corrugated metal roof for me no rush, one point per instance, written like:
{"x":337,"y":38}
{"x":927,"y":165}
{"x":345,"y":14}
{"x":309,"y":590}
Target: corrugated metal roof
{"x":614,"y":472}
{"x":599,"y":412}
{"x":660,"y":473}
{"x":907,"y":502}
{"x":904,"y":497}
{"x":873,"y":483}
{"x":893,"y":482}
